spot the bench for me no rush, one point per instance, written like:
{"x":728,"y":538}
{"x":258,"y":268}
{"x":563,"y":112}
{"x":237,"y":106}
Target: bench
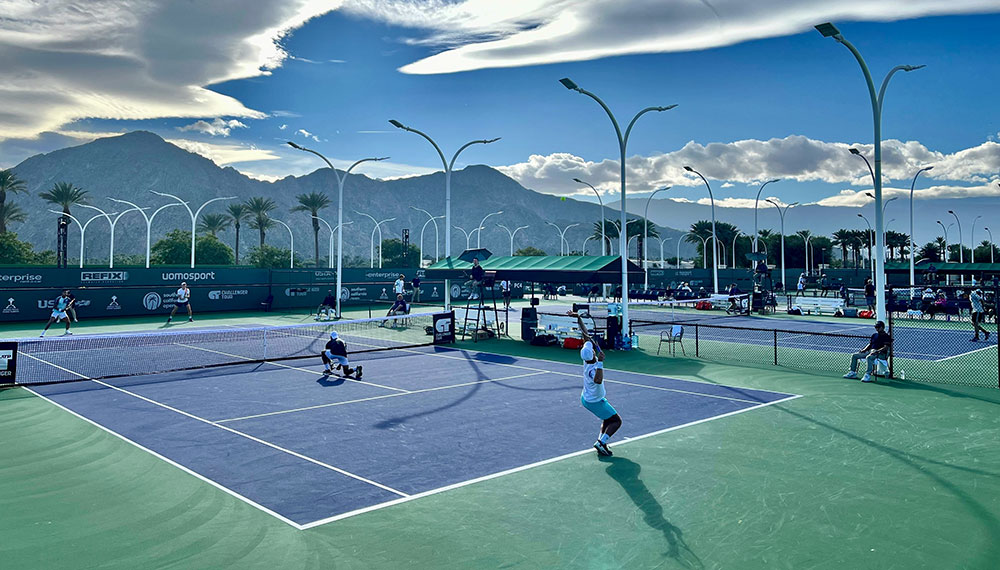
{"x":818,"y":304}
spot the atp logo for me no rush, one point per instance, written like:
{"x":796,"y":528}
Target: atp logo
{"x":10,"y":308}
{"x":152,"y":301}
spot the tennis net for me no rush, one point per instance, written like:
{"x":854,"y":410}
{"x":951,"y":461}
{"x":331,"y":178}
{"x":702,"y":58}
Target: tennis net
{"x":81,"y":357}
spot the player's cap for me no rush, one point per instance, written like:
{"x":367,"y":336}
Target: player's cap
{"x":587,"y":352}
{"x":333,"y":335}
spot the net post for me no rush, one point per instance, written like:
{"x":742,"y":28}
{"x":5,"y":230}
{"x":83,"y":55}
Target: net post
{"x":775,"y":331}
{"x":696,"y":351}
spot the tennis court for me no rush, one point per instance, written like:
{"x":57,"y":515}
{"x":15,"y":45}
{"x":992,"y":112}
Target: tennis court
{"x":310,"y":449}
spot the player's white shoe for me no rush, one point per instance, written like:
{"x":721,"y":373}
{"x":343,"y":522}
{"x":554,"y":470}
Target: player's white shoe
{"x":867,"y":378}
{"x":67,"y":333}
{"x":851,"y":375}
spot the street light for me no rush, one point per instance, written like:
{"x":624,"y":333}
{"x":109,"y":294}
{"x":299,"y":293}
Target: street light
{"x":961,"y":255}
{"x":972,"y":240}
{"x":468,"y":236}
{"x":604,"y":244}
{"x":830,"y":31}
{"x":946,"y":255}
{"x":194,"y":215}
{"x":871,"y":266}
{"x":430,"y":219}
{"x":645,"y":237}
{"x":149,"y":220}
{"x":291,"y":248}
{"x":329,"y":260}
{"x":715,"y":259}
{"x":377,"y":228}
{"x":340,"y":209}
{"x":913,"y":254}
{"x":991,"y":243}
{"x":757,"y":199}
{"x":735,"y":237}
{"x":447,"y":192}
{"x":622,"y":146}
{"x":781,"y":213}
{"x":83,"y":227}
{"x":482,"y":226}
{"x":562,"y":236}
{"x":113,"y":223}
{"x":679,"y":240}
{"x":517,"y":229}
{"x":663,"y":264}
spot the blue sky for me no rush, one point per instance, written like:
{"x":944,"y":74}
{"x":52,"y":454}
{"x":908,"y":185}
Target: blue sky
{"x":760,"y":94}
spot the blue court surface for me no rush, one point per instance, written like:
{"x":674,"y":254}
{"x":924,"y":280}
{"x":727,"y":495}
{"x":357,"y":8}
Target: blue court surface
{"x":309,"y":449}
{"x":915,"y":342}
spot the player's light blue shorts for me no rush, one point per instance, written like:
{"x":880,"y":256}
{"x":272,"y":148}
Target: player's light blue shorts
{"x":600,"y":409}
{"x":337,"y":358}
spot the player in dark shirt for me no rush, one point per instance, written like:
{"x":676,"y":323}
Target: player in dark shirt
{"x":877,"y":349}
{"x":397,"y":308}
{"x":336,"y":349}
{"x":328,"y":304}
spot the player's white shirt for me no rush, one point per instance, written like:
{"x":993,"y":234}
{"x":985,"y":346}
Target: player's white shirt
{"x":592,"y":391}
{"x":183,"y":295}
{"x":398,"y":286}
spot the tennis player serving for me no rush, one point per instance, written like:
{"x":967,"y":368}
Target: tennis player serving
{"x":336,"y":349}
{"x":594,"y":394}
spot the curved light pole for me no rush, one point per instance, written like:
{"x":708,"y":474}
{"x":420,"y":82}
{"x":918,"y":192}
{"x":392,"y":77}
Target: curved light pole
{"x":757,"y":199}
{"x":679,"y":240}
{"x":810,"y":259}
{"x":513,"y":233}
{"x":622,"y":146}
{"x":946,"y":255}
{"x":721,"y":245}
{"x":149,"y":220}
{"x":83,"y":226}
{"x":113,"y":223}
{"x":781,"y":214}
{"x":291,"y":250}
{"x":704,"y":250}
{"x":329,"y":259}
{"x":735,"y":237}
{"x":562,"y":236}
{"x":988,"y":232}
{"x":482,"y":226}
{"x":913,"y":254}
{"x":961,"y":255}
{"x":871,"y":265}
{"x":663,"y":264}
{"x":447,"y":191}
{"x":340,"y":208}
{"x":468,"y":236}
{"x":645,"y":237}
{"x":829,"y":30}
{"x":604,"y":239}
{"x":437,"y":237}
{"x":972,"y":240}
{"x":636,"y":238}
{"x":377,"y":228}
{"x":584,"y":250}
{"x":715,"y":259}
{"x":194,"y":215}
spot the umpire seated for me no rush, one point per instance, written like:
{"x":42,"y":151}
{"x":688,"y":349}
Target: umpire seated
{"x":877,"y":349}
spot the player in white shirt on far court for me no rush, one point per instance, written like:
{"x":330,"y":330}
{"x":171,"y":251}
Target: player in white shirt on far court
{"x":183,"y":300}
{"x":60,"y":306}
{"x":593,"y":397}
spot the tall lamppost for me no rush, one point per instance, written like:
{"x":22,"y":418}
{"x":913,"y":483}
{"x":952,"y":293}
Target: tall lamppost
{"x":945,"y":229}
{"x":113,"y":223}
{"x":972,"y":240}
{"x":735,"y":237}
{"x":715,"y":259}
{"x":482,"y":226}
{"x":83,"y":226}
{"x":604,"y":239}
{"x":757,"y":199}
{"x":622,"y":146}
{"x":679,"y":240}
{"x":514,"y":232}
{"x":430,"y":219}
{"x":468,"y":237}
{"x":871,"y":265}
{"x":781,"y":214}
{"x":961,"y":255}
{"x":663,"y":264}
{"x":585,"y":242}
{"x":829,"y":30}
{"x":562,"y":236}
{"x":377,"y":228}
{"x":447,"y":192}
{"x":291,"y":248}
{"x":645,"y":237}
{"x":194,"y":215}
{"x":989,"y":233}
{"x":149,"y":220}
{"x":913,"y":279}
{"x":340,"y":209}
{"x":329,"y":259}
{"x":704,"y":250}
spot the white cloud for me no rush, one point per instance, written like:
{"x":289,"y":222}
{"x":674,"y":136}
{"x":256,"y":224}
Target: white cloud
{"x":752,"y":161}
{"x":282,"y":127}
{"x":225,"y":154}
{"x":478,"y":34}
{"x":307,"y":134}
{"x":63,"y":60}
{"x":218,"y":127}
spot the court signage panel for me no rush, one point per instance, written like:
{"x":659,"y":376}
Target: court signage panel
{"x":444,"y":328}
{"x":8,"y":362}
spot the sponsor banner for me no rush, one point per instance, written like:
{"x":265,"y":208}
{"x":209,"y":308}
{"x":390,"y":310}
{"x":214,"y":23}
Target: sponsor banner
{"x":21,"y":278}
{"x":8,"y":362}
{"x":103,"y":277}
{"x":444,"y":328}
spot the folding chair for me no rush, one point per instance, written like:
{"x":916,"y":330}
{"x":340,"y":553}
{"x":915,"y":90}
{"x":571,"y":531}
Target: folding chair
{"x":881,"y":368}
{"x":673,"y":336}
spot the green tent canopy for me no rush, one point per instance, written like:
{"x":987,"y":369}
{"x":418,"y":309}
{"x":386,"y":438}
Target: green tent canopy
{"x":542,"y":269}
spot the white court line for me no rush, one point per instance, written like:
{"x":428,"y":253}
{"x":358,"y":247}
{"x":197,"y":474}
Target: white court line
{"x":530,"y":466}
{"x":382,"y":397}
{"x":988,"y":347}
{"x":231,"y":430}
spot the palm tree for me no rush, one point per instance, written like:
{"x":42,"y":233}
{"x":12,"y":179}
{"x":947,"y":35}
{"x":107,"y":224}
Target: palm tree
{"x":258,"y":209}
{"x":213,"y":223}
{"x":237,"y":213}
{"x":10,"y":213}
{"x":8,"y":183}
{"x":64,"y":194}
{"x":932,"y":250}
{"x":313,"y":202}
{"x":896,"y":240}
{"x":842,"y":239}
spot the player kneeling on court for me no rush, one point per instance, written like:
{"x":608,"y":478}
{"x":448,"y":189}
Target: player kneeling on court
{"x":336,"y":349}
{"x":594,"y":394}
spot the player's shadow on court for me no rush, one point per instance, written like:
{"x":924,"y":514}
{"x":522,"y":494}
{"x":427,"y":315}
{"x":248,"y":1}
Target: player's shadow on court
{"x":330,"y":380}
{"x":626,"y":473}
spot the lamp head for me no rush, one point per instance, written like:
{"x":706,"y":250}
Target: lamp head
{"x":854,"y":151}
{"x":579,"y":181}
{"x":568,"y":84}
{"x":828,"y":30}
{"x":380,"y":158}
{"x":773,"y":180}
{"x":951,"y":211}
{"x":926,"y":168}
{"x":295,"y":146}
{"x":913,"y":67}
{"x":870,"y":195}
{"x":860,"y":216}
{"x":667,"y":108}
{"x":689,"y":169}
{"x":397,"y":124}
{"x":488,"y":141}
